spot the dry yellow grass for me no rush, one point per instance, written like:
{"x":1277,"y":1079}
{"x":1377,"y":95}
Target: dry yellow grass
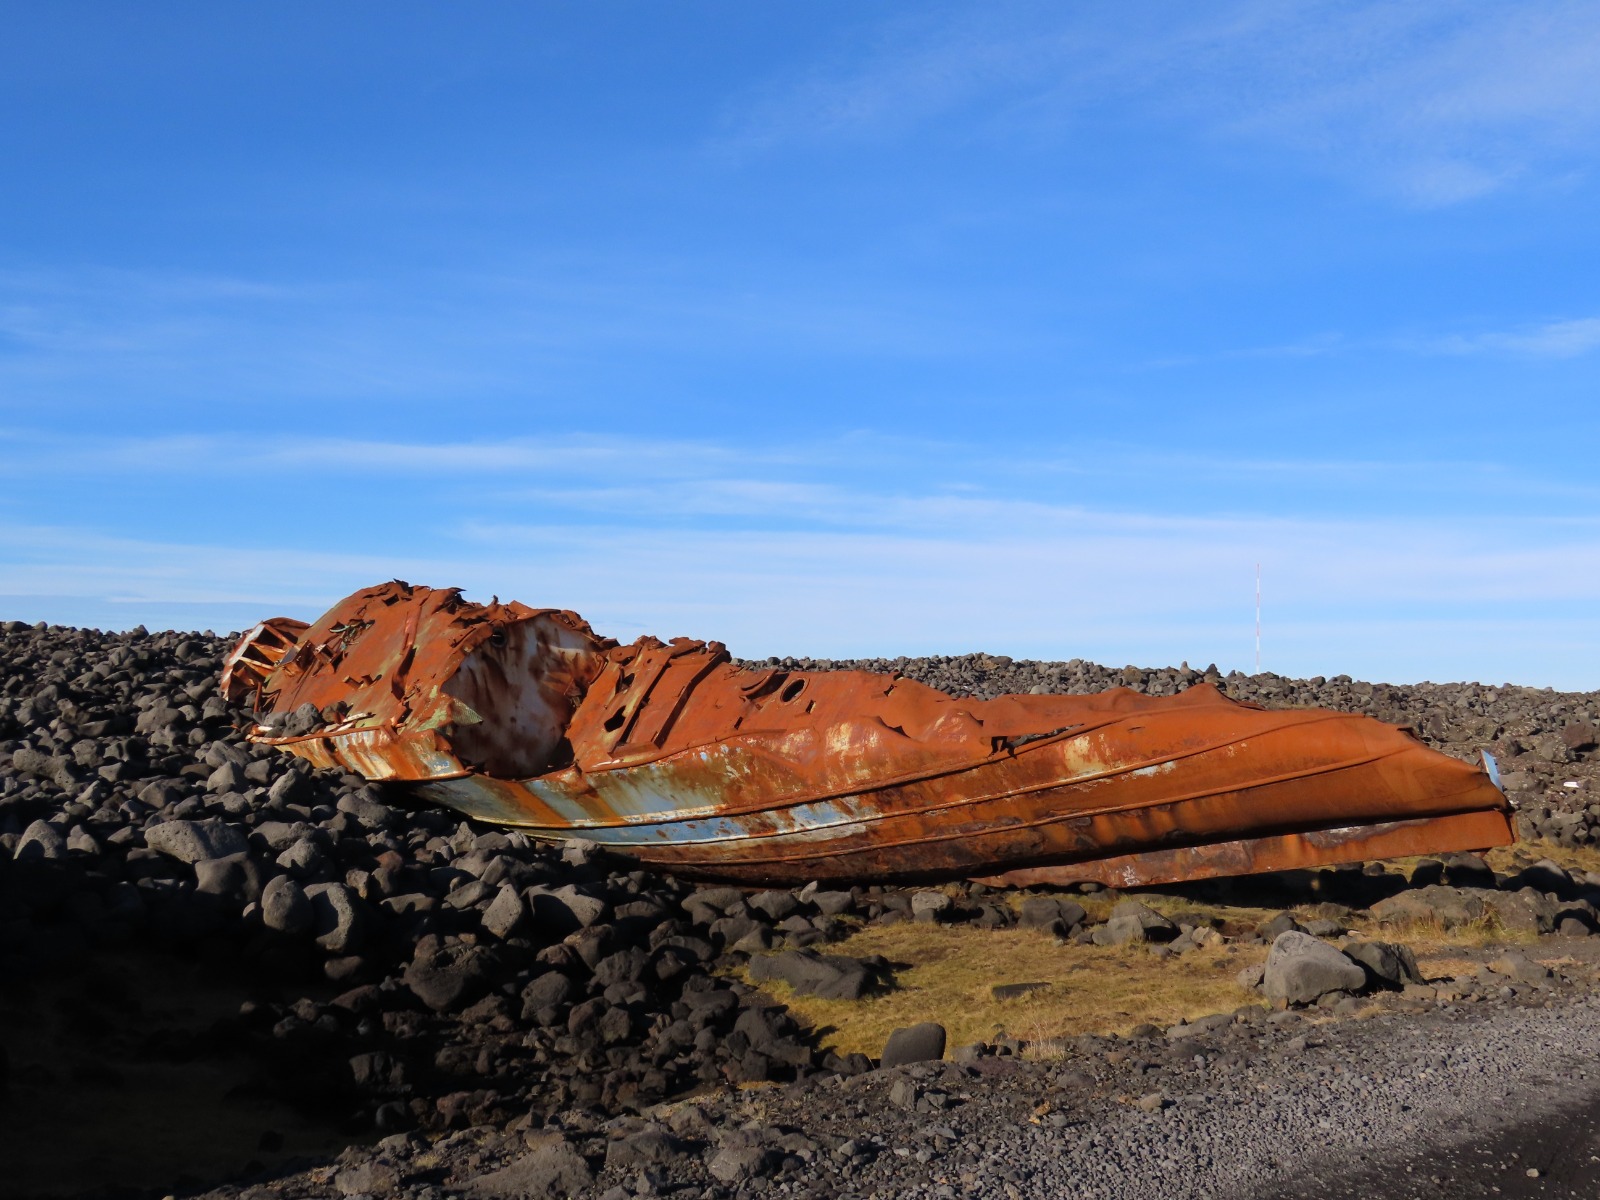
{"x":1571,"y":858}
{"x":1421,"y":934}
{"x":1511,"y":859}
{"x":1100,"y":904}
{"x":1436,"y":965}
{"x":1428,"y":934}
{"x":945,"y":974}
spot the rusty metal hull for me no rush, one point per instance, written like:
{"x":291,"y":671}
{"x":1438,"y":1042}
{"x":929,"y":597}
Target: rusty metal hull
{"x":676,"y":756}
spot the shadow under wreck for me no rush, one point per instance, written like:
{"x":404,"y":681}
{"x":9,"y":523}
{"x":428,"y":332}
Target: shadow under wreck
{"x":675,"y":755}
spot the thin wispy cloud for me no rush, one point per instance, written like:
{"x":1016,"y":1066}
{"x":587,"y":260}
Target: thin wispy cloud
{"x":921,"y":326}
{"x":1558,"y":339}
{"x":441,"y":334}
{"x":775,"y":551}
{"x":1318,"y":345}
{"x":247,"y":451}
{"x":1109,"y":586}
{"x":1554,"y":339}
{"x":851,"y":480}
{"x":1436,"y":103}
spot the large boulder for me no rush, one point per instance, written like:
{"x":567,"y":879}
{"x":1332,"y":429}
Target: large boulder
{"x":1043,"y":912}
{"x":553,"y":1170}
{"x":196,"y":841}
{"x":238,"y":877}
{"x":41,"y":840}
{"x":338,"y":917}
{"x":1131,"y":921}
{"x":560,"y":911}
{"x":827,"y":976}
{"x":450,"y":975}
{"x":57,"y":769}
{"x":506,"y":913}
{"x":1545,"y":876}
{"x":374,"y":1177}
{"x":1525,"y":911}
{"x":284,"y":906}
{"x":1436,"y":904}
{"x":1466,"y":871}
{"x":1514,"y":964}
{"x":1388,"y":964}
{"x":831,"y":904}
{"x":1300,"y":968}
{"x":229,"y":777}
{"x":547,"y":991}
{"x":738,"y":1164}
{"x":647,"y":1147}
{"x":929,"y":906}
{"x":776,"y":905}
{"x":914,"y":1043}
{"x":371,"y":813}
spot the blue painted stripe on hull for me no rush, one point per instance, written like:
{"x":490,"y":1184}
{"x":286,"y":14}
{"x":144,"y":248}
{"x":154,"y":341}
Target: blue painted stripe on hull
{"x":825,"y":820}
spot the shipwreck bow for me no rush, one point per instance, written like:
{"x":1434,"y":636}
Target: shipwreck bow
{"x":676,"y":755}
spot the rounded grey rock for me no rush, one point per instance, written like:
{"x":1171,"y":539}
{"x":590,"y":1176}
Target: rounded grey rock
{"x":195,"y":841}
{"x":284,"y":906}
{"x":1301,"y":968}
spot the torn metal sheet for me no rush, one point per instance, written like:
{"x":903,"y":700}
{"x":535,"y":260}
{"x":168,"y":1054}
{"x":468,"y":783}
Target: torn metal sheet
{"x":672,"y":753}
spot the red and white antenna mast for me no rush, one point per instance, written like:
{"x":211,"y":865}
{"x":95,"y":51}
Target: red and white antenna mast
{"x":1258,"y":618}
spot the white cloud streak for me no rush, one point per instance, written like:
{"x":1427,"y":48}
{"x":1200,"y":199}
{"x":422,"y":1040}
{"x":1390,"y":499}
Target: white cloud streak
{"x":1019,"y":579}
{"x":1436,"y":103}
{"x":471,"y":334}
{"x":772,"y":555}
{"x":1555,"y":339}
{"x":854,"y":479}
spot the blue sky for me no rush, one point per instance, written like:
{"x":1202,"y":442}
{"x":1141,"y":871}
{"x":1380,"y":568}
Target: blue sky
{"x":818,"y":328}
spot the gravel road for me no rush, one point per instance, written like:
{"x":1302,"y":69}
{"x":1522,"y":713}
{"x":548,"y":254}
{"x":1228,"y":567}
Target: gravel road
{"x":1454,"y":1101}
{"x":216,"y":964}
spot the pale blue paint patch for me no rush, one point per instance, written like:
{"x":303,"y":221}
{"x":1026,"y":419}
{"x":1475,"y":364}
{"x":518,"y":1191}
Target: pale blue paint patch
{"x":1492,"y":769}
{"x":560,"y":801}
{"x":475,"y":799}
{"x":1154,"y":769}
{"x":809,"y":822}
{"x":641,"y":794}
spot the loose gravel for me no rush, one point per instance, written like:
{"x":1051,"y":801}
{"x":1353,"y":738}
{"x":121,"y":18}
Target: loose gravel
{"x":471,"y":1013}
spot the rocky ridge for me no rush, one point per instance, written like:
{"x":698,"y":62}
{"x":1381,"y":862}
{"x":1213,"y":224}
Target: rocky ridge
{"x":417,"y":974}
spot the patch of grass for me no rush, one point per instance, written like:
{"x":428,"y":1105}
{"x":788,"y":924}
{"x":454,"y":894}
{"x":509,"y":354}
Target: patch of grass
{"x":1100,"y":904}
{"x":1571,"y":858}
{"x":1437,"y":966}
{"x":1427,"y":933}
{"x":1511,"y":859}
{"x":945,"y":974}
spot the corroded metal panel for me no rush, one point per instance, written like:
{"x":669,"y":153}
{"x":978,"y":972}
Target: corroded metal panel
{"x":672,"y":753}
{"x":1275,"y":852}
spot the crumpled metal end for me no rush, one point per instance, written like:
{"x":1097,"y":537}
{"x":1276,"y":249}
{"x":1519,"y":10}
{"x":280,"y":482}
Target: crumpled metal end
{"x":674,"y":754}
{"x":256,"y":656}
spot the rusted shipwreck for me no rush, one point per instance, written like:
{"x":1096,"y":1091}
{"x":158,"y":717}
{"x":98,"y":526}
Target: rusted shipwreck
{"x":675,"y":755}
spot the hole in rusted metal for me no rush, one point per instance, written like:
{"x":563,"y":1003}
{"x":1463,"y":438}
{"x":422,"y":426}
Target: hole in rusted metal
{"x":561,"y":756}
{"x":941,"y":759}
